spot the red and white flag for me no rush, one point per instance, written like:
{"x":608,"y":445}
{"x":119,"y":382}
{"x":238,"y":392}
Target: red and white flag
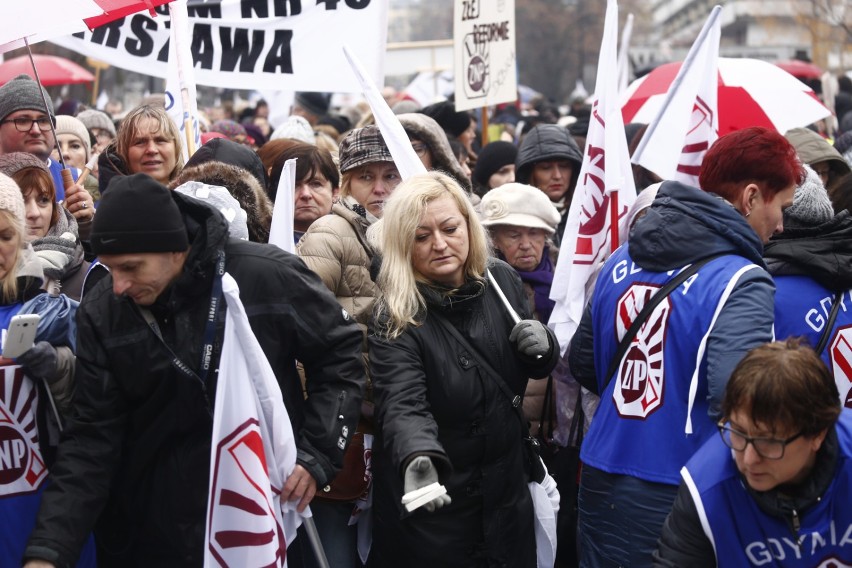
{"x":688,"y":122}
{"x":253,"y":452}
{"x":604,"y":192}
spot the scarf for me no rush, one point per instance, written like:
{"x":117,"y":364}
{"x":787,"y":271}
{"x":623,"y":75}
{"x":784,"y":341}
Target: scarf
{"x":540,"y":279}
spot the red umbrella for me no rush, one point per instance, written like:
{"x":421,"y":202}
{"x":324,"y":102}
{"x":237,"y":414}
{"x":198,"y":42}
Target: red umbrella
{"x":52,"y":70}
{"x":800,"y":69}
{"x":751,"y":93}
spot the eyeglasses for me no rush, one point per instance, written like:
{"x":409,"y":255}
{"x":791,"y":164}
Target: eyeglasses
{"x":769,"y":448}
{"x":420,"y":149}
{"x":26,"y":124}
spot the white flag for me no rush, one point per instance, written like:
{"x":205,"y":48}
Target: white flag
{"x":281,"y":230}
{"x":393,"y":133}
{"x":688,"y":122}
{"x":253,"y":452}
{"x":604,"y":192}
{"x":181,"y":102}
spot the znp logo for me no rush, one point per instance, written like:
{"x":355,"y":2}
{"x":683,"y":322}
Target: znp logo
{"x":640,"y":377}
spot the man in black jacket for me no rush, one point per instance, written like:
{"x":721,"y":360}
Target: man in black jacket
{"x":134,"y":461}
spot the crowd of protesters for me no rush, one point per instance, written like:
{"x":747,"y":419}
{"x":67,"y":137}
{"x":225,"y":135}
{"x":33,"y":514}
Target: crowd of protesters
{"x":414,"y":314}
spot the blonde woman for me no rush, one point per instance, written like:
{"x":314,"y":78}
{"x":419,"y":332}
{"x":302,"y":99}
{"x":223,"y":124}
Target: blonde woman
{"x":445,"y":415}
{"x":147,"y":142}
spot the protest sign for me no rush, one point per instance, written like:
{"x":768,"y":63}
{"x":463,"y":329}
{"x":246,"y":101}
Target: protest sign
{"x":485,"y":55}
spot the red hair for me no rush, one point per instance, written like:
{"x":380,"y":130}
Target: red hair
{"x":751,"y":155}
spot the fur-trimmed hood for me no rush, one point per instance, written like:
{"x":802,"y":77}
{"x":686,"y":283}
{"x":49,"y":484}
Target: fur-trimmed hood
{"x":243,"y":186}
{"x":425,"y":129}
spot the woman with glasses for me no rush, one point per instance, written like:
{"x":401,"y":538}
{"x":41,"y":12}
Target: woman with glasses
{"x":775,"y":487}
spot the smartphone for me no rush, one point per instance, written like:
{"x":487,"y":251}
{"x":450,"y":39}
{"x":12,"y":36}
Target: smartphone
{"x":20,"y":336}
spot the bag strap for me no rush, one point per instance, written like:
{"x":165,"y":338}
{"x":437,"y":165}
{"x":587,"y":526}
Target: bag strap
{"x":649,"y":307}
{"x":575,"y":432}
{"x":490,"y":371}
{"x":547,"y":408}
{"x":832,"y":317}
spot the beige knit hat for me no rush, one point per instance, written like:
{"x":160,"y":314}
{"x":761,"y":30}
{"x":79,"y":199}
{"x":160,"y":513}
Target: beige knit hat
{"x":69,"y":125}
{"x":11,"y":199}
{"x":520,"y":205}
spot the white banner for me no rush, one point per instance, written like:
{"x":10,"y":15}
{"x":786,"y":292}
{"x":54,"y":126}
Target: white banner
{"x":294,"y":45}
{"x":485,"y":55}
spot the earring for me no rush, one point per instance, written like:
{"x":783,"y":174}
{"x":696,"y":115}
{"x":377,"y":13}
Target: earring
{"x":747,"y":214}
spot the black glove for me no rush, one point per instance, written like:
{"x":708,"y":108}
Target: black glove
{"x":40,"y":361}
{"x":420,"y":473}
{"x":531,"y":337}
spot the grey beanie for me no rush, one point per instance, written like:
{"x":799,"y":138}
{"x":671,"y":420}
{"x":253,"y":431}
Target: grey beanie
{"x":96,"y":119}
{"x":811,"y":205}
{"x":22,"y":93}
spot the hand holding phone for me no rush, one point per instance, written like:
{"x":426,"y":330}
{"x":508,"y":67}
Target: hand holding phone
{"x":20,"y":336}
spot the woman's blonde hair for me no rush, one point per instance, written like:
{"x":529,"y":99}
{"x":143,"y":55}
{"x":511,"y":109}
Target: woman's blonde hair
{"x":9,"y":287}
{"x":402,"y":304}
{"x":127,"y":131}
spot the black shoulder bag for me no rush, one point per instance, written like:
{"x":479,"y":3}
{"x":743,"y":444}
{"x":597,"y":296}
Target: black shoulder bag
{"x":653,"y":302}
{"x":832,"y":317}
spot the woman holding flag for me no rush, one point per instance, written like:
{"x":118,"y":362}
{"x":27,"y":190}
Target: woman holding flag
{"x":445,"y":416}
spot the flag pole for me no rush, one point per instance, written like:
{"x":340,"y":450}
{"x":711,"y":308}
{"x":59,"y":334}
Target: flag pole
{"x":180,"y":32}
{"x":316,"y":544}
{"x":687,"y":63}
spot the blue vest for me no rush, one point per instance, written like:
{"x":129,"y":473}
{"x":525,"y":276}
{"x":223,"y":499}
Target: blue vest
{"x":23,"y":472}
{"x":653,"y":413}
{"x":743,"y":535}
{"x":802,"y":307}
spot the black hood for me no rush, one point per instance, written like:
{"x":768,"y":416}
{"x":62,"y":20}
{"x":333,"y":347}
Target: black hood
{"x":685,"y":224}
{"x":547,"y":142}
{"x":823,"y":253}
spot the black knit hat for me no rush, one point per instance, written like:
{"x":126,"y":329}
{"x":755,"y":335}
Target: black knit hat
{"x":493,"y":156}
{"x":314,"y":103}
{"x":138,"y":215}
{"x":445,"y":114}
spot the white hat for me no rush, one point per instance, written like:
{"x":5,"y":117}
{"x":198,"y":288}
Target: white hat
{"x":520,"y":205}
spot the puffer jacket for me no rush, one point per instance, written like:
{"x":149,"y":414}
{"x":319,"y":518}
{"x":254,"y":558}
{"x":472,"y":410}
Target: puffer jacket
{"x":424,"y":128}
{"x":335,"y":247}
{"x":434,"y":399}
{"x":135,"y":458}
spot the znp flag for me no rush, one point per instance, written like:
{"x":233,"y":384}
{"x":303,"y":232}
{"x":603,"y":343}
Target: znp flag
{"x":253,"y":452}
{"x":604,"y":192}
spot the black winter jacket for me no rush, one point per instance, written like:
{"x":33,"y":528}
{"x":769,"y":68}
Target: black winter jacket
{"x":136,"y":455}
{"x":433,"y":398}
{"x":823,"y":252}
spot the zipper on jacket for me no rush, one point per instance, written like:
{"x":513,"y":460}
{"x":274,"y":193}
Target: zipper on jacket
{"x":796,"y":524}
